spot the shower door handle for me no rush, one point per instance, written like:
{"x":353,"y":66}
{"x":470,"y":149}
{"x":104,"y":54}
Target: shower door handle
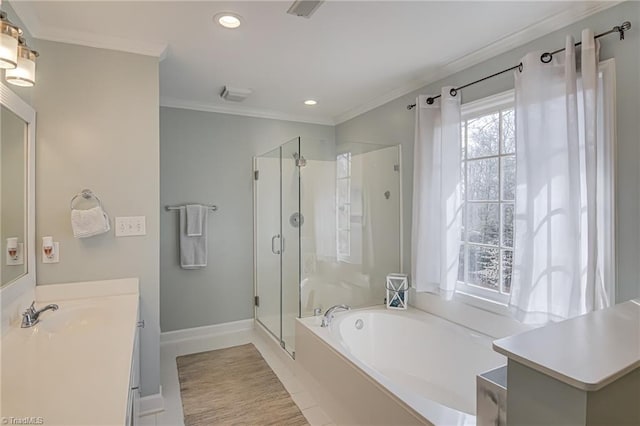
{"x":273,"y":244}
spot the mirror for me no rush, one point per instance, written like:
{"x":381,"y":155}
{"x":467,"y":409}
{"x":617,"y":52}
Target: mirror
{"x":17,"y":251}
{"x":13,"y":196}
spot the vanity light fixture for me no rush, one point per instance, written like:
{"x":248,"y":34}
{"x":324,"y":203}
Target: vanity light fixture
{"x":229,"y":20}
{"x":24,"y":74}
{"x":310,"y":102}
{"x":9,"y":35}
{"x":18,"y":59}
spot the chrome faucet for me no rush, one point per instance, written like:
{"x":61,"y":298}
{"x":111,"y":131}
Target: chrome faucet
{"x":31,"y":317}
{"x":328,"y":316}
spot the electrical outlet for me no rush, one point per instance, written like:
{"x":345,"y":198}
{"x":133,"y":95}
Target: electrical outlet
{"x":129,"y":226}
{"x":55,"y":255}
{"x":19,"y":258}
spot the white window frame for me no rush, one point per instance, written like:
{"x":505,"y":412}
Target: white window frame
{"x":469,"y":111}
{"x":343,"y":256}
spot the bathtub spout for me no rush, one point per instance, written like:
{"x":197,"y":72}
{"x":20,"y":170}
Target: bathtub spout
{"x":328,"y":316}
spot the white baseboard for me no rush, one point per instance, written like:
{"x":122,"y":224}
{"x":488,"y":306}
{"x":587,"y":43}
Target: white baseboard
{"x":152,"y":404}
{"x":206,"y":331}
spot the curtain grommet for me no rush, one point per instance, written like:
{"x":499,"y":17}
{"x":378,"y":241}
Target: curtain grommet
{"x":546,"y":57}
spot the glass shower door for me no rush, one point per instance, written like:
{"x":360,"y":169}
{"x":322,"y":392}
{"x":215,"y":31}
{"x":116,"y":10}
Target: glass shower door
{"x":268,"y":240}
{"x":277,"y":211}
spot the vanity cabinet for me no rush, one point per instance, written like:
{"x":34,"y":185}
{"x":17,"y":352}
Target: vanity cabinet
{"x":582,"y":371}
{"x":80,"y":365}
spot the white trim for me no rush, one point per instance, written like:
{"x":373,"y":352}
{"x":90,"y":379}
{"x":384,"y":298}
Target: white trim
{"x":81,"y":38}
{"x":167,"y":101}
{"x":27,"y":14}
{"x":490,"y":103}
{"x":207,"y":331}
{"x":16,"y":296}
{"x":151,"y":404}
{"x":522,"y":37}
{"x":480,"y":302}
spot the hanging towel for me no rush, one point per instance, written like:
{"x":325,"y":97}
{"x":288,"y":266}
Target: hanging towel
{"x":90,"y":222}
{"x":194,"y":220}
{"x":193,"y":250}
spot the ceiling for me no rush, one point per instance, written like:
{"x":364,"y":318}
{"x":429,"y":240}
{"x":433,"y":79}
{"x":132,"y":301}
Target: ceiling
{"x":350,"y":56}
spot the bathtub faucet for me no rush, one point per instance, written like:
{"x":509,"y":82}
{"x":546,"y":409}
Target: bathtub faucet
{"x":328,"y":316}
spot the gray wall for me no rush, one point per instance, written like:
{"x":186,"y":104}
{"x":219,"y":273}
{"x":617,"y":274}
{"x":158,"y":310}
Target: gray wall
{"x":97,"y":128}
{"x":206,"y":157}
{"x":391,"y":123}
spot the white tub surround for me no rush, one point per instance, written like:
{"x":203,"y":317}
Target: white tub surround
{"x":585,"y":370}
{"x":78,"y":364}
{"x":375,"y":366}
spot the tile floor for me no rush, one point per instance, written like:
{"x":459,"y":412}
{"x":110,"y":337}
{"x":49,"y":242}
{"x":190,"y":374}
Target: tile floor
{"x":173,"y":416}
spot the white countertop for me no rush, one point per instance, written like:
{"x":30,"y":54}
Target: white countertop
{"x":73,"y":368}
{"x":587,"y":352}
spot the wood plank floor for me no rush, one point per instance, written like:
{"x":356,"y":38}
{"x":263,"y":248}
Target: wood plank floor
{"x":234,"y":386}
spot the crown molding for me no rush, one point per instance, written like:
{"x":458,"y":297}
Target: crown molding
{"x":28,"y":15}
{"x":166,"y":101}
{"x":157,"y":50}
{"x":528,"y":34}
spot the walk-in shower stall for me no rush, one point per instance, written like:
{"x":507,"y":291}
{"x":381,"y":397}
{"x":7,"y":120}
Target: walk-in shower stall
{"x":328,"y":229}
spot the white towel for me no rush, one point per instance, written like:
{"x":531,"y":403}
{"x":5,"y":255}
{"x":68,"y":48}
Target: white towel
{"x":90,"y":222}
{"x":193,"y":250}
{"x":194,"y":220}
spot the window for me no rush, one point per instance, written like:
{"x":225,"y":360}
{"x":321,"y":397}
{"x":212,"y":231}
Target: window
{"x":343,"y":202}
{"x":488,"y":194}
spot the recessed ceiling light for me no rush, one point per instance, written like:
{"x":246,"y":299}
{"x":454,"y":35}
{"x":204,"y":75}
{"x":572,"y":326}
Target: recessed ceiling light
{"x":310,"y":102}
{"x":228,"y":19}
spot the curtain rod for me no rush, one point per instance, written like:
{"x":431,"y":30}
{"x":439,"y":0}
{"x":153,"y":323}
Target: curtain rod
{"x":545,"y":57}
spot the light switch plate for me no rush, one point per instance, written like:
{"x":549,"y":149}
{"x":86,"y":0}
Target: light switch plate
{"x":130,"y":226}
{"x":56,"y":254}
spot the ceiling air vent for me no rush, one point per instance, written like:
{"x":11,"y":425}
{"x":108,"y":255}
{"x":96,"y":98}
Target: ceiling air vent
{"x":234,"y":94}
{"x":304,"y":8}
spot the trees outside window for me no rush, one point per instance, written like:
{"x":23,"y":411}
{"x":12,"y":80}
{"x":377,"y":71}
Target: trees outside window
{"x":488,"y":193}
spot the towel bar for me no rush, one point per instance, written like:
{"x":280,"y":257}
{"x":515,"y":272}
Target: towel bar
{"x":209,"y":206}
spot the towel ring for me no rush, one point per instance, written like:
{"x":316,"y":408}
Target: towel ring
{"x":87,"y":194}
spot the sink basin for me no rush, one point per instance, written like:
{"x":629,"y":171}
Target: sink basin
{"x":71,"y":320}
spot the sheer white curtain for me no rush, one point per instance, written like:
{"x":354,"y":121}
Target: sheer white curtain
{"x":557,"y":266}
{"x":435,"y":234}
